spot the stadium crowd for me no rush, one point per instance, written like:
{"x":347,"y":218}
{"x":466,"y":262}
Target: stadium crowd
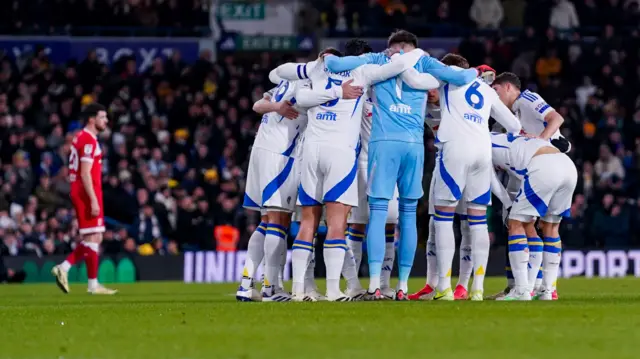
{"x":179,"y":136}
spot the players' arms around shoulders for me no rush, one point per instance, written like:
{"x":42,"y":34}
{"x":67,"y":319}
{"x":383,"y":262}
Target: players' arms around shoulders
{"x":398,"y":64}
{"x":307,"y":96}
{"x":283,"y":108}
{"x":293,"y":71}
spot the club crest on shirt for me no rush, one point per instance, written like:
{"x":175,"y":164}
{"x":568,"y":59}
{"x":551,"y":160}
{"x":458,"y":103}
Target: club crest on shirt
{"x":88,"y":149}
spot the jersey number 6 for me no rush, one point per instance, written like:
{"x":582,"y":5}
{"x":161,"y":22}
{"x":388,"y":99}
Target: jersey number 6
{"x":330,"y":83}
{"x":474,"y":97}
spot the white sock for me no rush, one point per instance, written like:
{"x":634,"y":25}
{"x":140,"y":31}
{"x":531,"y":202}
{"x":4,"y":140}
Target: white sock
{"x":445,"y":248}
{"x":92,"y":283}
{"x":65,"y":266}
{"x":274,"y":240}
{"x":334,"y":250}
{"x":93,"y":246}
{"x":300,"y":260}
{"x":349,"y":271}
{"x":466,"y":261}
{"x":255,"y":253}
{"x":432,"y":259}
{"x":538,"y":283}
{"x":387,"y":265}
{"x":310,"y":277}
{"x":283,"y":262}
{"x":479,"y":234}
{"x":354,"y":240}
{"x":519,"y":259}
{"x":535,"y":261}
{"x":551,"y":262}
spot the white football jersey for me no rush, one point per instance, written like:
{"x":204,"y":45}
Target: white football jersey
{"x":465,"y":113}
{"x":433,"y":117}
{"x":513,"y":153}
{"x":276,"y":133}
{"x":365,"y":129}
{"x":531,"y":109}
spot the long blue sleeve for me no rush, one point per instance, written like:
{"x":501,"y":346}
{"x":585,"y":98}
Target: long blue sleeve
{"x":444,"y":73}
{"x":337,"y":64}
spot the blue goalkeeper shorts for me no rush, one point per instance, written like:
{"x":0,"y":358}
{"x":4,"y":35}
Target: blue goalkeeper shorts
{"x":392,"y":162}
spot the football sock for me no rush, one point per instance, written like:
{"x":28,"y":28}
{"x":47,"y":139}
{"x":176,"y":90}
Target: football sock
{"x":445,"y":247}
{"x":466,"y":262}
{"x":408,"y":241}
{"x":75,"y":257}
{"x":507,"y":270}
{"x":309,"y":277}
{"x":535,"y":260}
{"x":349,"y":270}
{"x":539,"y":278}
{"x":354,"y":239}
{"x":91,"y":252}
{"x":275,"y":238}
{"x":334,"y":250}
{"x":432,"y":260}
{"x":551,"y":262}
{"x":255,"y":252}
{"x":378,"y":208}
{"x":480,"y":245}
{"x":300,"y":260}
{"x":389,"y":257}
{"x":519,"y":259}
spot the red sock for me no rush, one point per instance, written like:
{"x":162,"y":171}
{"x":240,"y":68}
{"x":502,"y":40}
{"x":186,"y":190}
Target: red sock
{"x":91,"y":258}
{"x":77,"y":255}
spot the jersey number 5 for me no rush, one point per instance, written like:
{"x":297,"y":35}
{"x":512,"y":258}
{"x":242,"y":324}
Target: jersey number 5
{"x":330,"y":83}
{"x":474,"y":97}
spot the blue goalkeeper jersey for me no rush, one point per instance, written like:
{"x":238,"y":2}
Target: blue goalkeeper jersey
{"x":399,"y":110}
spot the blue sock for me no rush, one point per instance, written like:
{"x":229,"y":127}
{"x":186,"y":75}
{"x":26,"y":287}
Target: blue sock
{"x":378,"y":208}
{"x":408,"y":238}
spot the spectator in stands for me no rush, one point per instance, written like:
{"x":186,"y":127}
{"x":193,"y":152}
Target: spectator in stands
{"x":608,"y":167}
{"x":487,"y":14}
{"x":564,"y":16}
{"x":514,"y":13}
{"x":548,"y":66}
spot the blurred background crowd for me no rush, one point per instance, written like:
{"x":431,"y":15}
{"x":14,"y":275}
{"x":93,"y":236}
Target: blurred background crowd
{"x":180,"y":132}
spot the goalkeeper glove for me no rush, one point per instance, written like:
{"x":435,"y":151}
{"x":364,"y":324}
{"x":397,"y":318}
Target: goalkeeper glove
{"x":486,"y":73}
{"x":562,"y":144}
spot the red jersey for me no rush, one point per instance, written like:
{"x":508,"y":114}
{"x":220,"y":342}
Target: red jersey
{"x":85,"y":151}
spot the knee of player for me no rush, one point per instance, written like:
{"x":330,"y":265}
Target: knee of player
{"x":530,"y":230}
{"x":515,"y":226}
{"x":550,"y":229}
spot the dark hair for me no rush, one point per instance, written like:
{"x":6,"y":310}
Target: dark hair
{"x":455,"y":60}
{"x":508,"y":78}
{"x":91,"y":110}
{"x":400,"y":36}
{"x":356,"y":47}
{"x":331,"y":51}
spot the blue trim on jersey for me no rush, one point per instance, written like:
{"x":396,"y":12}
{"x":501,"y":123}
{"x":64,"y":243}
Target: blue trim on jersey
{"x":446,"y":96}
{"x":544,"y":108}
{"x":493,"y":145}
{"x":341,"y":187}
{"x":527,"y":95}
{"x":566,"y":213}
{"x":248,"y":202}
{"x":533,"y":198}
{"x":273,"y":186}
{"x":293,"y":100}
{"x":305,"y":199}
{"x":356,"y":106}
{"x":522,"y":172}
{"x":484,"y":199}
{"x":289,"y":150}
{"x":304,"y":70}
{"x":511,"y":137}
{"x":448,"y":180}
{"x":299,"y":71}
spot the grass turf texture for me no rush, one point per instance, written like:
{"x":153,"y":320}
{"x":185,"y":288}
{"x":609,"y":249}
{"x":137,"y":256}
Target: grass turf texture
{"x":594,"y":319}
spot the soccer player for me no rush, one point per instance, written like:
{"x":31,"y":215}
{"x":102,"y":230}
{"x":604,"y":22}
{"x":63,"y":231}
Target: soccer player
{"x":329,"y":166}
{"x":396,"y":156}
{"x":359,"y":216}
{"x":539,"y":119}
{"x":463,"y":171}
{"x":85,"y":175}
{"x":548,"y":179}
{"x":466,"y":265}
{"x":272,"y":182}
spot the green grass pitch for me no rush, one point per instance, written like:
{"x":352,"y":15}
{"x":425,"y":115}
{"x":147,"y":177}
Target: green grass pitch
{"x":596,"y":318}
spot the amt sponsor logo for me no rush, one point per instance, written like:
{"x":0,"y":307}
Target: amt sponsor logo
{"x":400,"y":108}
{"x":473,"y":117}
{"x":326,"y":116}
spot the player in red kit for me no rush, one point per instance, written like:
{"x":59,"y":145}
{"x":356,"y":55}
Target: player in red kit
{"x":85,"y":175}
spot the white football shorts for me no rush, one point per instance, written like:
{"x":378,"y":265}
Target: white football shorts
{"x":272,"y":181}
{"x":547,"y":189}
{"x":327,"y":174}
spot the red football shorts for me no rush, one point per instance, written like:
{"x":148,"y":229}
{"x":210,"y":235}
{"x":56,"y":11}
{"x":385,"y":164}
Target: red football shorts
{"x":87,"y":223}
